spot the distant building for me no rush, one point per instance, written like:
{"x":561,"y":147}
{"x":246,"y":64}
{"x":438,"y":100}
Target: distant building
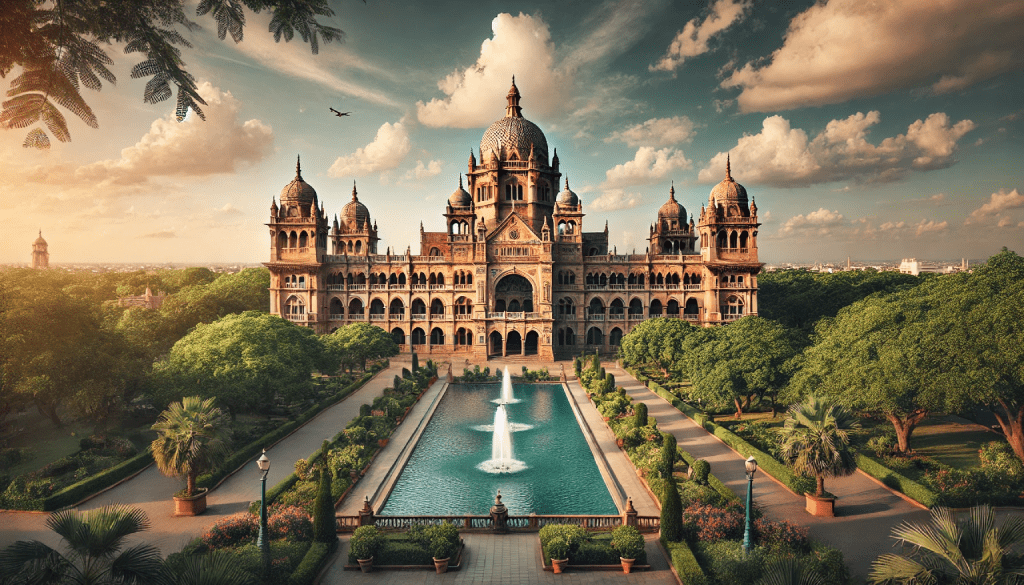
{"x":146,"y":301}
{"x":40,"y":252}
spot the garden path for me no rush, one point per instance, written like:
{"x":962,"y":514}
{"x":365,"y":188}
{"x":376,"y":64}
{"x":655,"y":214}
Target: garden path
{"x":151,"y":491}
{"x":866,"y":512}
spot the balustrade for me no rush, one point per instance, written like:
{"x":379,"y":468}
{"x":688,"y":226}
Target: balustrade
{"x":377,"y":316}
{"x":335,"y":287}
{"x":475,"y":523}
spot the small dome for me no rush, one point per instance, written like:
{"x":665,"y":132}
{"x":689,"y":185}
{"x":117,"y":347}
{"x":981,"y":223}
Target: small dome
{"x":729,"y":191}
{"x":567,"y":197}
{"x":40,"y":239}
{"x":672,"y":209}
{"x":354,"y":211}
{"x":298,"y":191}
{"x":460,"y":198}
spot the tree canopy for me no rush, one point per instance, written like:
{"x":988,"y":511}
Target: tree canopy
{"x":656,"y":341}
{"x":353,"y":344}
{"x":57,"y":46}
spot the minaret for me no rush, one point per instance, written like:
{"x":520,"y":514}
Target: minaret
{"x":512,"y":110}
{"x":40,"y":252}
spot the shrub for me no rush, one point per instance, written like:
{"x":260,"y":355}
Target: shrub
{"x":366,"y":543}
{"x":998,"y":456}
{"x":628,"y":541}
{"x":415,"y":362}
{"x":671,"y":512}
{"x":561,"y":541}
{"x":232,"y":531}
{"x":324,"y":528}
{"x":406,"y":373}
{"x":309,"y":567}
{"x":668,"y":453}
{"x":404,"y":552}
{"x":291,"y":523}
{"x":774,"y":535}
{"x":827,"y":562}
{"x":595,"y":553}
{"x":883,"y":445}
{"x":708,"y":523}
{"x":684,"y":562}
{"x":729,"y":564}
{"x":640,"y":414}
{"x":633,"y":438}
{"x":577,"y":367}
{"x":694,"y":493}
{"x":701,"y":470}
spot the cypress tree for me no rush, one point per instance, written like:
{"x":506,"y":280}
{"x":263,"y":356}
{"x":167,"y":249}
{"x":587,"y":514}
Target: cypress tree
{"x":577,"y":366}
{"x":640,"y":415}
{"x":415,"y":362}
{"x":324,"y":529}
{"x":609,"y":382}
{"x":671,"y":512}
{"x":668,"y":453}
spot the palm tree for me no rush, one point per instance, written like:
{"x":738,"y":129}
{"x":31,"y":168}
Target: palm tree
{"x":216,"y":567}
{"x":789,"y":572}
{"x":94,"y":540}
{"x":815,"y":439}
{"x":192,"y":439}
{"x":973,"y":551}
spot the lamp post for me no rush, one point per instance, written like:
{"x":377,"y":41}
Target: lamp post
{"x":263,"y":542}
{"x":751,"y":466}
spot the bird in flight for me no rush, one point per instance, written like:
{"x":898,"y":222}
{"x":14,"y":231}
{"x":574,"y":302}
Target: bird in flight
{"x":339,"y":114}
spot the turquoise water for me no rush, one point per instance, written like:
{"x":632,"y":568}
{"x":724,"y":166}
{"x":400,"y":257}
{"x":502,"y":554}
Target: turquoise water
{"x":441,"y":477}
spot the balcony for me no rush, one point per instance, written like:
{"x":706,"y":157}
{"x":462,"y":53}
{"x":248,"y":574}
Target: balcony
{"x":419,"y":316}
{"x":299,"y":285}
{"x":335,"y":287}
{"x":336,"y":317}
{"x":438,"y":287}
{"x":691,"y":287}
{"x":357,"y":287}
{"x":419,"y":287}
{"x":377,"y":316}
{"x":595,"y":316}
{"x":635,"y":287}
{"x":397,"y":286}
{"x":690,"y":316}
{"x":378,"y":287}
{"x":463,"y":317}
{"x":616,"y":317}
{"x":463,"y":287}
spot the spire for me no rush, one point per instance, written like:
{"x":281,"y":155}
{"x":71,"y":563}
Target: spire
{"x":728,"y":170}
{"x":298,"y":167}
{"x":567,"y":182}
{"x":672,"y":192}
{"x":460,"y":180}
{"x":354,"y":198}
{"x":512,"y":110}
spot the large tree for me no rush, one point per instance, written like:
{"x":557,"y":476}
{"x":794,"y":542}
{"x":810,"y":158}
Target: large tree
{"x":355,"y":343}
{"x":657,"y":341}
{"x":57,"y":46}
{"x":246,"y":361}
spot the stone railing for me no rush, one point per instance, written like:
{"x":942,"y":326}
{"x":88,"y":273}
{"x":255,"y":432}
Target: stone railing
{"x":470,"y":523}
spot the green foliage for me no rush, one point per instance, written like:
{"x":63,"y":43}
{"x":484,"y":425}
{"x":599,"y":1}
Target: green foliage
{"x":816,"y":441}
{"x":640,"y":414}
{"x":577,"y":366}
{"x":729,"y":564}
{"x":671,"y":512}
{"x":312,"y":562}
{"x":780,"y":535}
{"x":354,"y":344}
{"x":476,"y":375}
{"x":998,"y":457}
{"x":232,"y":531}
{"x":366,"y":542}
{"x":191,"y":439}
{"x":684,"y":562}
{"x":415,"y":361}
{"x":701,"y":470}
{"x":896,"y":481}
{"x":561,"y":541}
{"x":656,"y":341}
{"x":668,"y":454}
{"x":628,"y":541}
{"x":709,"y":523}
{"x":324,"y":529}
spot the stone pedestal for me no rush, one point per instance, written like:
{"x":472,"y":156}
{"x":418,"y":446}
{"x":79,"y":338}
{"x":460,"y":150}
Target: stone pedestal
{"x":499,"y":515}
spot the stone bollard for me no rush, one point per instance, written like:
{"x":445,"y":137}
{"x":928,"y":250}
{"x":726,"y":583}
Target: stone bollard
{"x":499,"y":515}
{"x":449,"y":378}
{"x":562,"y":377}
{"x":629,"y":514}
{"x":366,"y":514}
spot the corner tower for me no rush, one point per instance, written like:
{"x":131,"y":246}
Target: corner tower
{"x":40,"y":252}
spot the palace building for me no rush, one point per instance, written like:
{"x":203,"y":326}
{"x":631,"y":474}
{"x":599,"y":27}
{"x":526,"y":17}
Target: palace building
{"x":515,"y":272}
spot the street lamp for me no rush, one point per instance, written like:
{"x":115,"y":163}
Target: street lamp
{"x":263,"y":542}
{"x":751,"y":466}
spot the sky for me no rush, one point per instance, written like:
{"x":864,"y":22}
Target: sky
{"x":869,"y":130}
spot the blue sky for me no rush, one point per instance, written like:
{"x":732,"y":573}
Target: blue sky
{"x":869,"y":130}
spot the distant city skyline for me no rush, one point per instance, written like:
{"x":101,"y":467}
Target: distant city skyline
{"x":855,"y":128}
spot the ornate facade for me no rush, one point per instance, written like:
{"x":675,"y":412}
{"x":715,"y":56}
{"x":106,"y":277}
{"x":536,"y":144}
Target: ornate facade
{"x":514,"y":272}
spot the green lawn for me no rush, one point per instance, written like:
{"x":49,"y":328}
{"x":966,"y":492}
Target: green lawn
{"x":951,"y":440}
{"x":44,"y":442}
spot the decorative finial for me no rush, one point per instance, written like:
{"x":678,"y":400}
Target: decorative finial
{"x":728,"y":170}
{"x":298,"y":166}
{"x":460,"y":180}
{"x":354,"y":190}
{"x":672,"y":192}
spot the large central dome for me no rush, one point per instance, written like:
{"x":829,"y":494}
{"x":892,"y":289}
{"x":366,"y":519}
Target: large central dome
{"x":513,"y":133}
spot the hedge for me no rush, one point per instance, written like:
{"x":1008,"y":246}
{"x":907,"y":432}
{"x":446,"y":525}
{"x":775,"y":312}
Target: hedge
{"x":898,"y":482}
{"x":243,"y":455}
{"x":715,"y":483}
{"x":311,"y":564}
{"x":77,"y":492}
{"x":685,"y":563}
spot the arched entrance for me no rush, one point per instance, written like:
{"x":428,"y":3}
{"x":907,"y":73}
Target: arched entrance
{"x":513,"y":290}
{"x":532,"y":340}
{"x":398,"y":334}
{"x":514,"y":343}
{"x":418,"y":336}
{"x":496,"y":345}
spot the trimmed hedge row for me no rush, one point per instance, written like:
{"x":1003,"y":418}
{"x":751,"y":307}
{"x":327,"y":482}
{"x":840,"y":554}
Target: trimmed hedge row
{"x":797,"y":483}
{"x":685,"y":563}
{"x":713,"y":481}
{"x":311,"y":564}
{"x":77,"y":492}
{"x":898,"y":482}
{"x":243,"y":455}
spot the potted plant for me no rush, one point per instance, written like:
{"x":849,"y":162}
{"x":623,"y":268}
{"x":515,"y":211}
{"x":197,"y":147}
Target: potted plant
{"x":558,"y":550}
{"x":630,"y":543}
{"x":815,"y":440}
{"x":442,"y":550}
{"x":365,"y":544}
{"x":191,"y":439}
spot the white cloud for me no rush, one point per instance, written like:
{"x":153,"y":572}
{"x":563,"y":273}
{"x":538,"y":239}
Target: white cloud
{"x":694,"y":38}
{"x":999,"y":202}
{"x":386,"y":152}
{"x":844,"y":49}
{"x":615,"y":199}
{"x":519,"y":44}
{"x":930,"y":226}
{"x":647,"y":167}
{"x":656,"y":132}
{"x":937,"y":199}
{"x":228,"y":209}
{"x":191,"y":148}
{"x":784,"y":156}
{"x":820,"y":222}
{"x":431,"y":169}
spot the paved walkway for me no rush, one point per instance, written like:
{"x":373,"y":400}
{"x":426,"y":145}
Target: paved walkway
{"x":509,"y":559}
{"x":866,"y":512}
{"x":151,"y":491}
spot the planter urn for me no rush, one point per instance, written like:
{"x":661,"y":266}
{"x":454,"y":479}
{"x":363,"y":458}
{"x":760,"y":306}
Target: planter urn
{"x":365,"y":565}
{"x":191,"y":505}
{"x":441,"y":565}
{"x":558,"y":565}
{"x":821,"y":506}
{"x":627,"y":564}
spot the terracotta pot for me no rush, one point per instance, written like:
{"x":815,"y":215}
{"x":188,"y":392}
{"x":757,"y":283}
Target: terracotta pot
{"x":606,"y":419}
{"x":382,"y":442}
{"x":558,"y":565}
{"x":823,"y":507}
{"x":365,"y":565}
{"x":627,"y":564}
{"x":619,"y":442}
{"x":192,"y":506}
{"x":441,"y":565}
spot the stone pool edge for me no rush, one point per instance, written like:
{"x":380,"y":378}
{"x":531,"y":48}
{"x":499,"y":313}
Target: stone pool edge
{"x":611,"y":481}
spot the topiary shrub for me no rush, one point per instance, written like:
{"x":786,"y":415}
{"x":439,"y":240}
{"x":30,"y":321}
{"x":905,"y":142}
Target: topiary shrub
{"x":671,"y":512}
{"x":324,"y":528}
{"x":701,"y":471}
{"x":668,"y":454}
{"x":628,"y":541}
{"x":633,"y":438}
{"x":366,"y":543}
{"x":640,"y":415}
{"x":561,"y":541}
{"x":415,"y":362}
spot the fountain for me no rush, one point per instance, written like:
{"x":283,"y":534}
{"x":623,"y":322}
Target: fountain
{"x":507,"y":397}
{"x":501,"y":460}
